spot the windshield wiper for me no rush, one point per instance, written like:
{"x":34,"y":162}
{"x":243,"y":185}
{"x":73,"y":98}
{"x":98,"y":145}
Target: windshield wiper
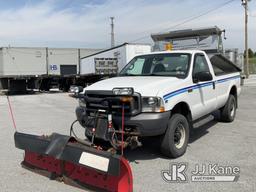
{"x":157,"y":74}
{"x":127,"y":74}
{"x":149,"y":74}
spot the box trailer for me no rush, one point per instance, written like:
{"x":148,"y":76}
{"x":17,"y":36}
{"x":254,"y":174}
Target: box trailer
{"x":66,"y":62}
{"x":111,"y":61}
{"x":22,"y":62}
{"x":24,"y":68}
{"x":63,"y":62}
{"x":21,"y":67}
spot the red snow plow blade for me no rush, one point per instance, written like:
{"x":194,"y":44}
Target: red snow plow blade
{"x":63,"y":158}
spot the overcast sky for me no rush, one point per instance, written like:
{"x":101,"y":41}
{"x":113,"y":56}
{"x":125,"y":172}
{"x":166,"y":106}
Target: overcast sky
{"x":85,"y":23}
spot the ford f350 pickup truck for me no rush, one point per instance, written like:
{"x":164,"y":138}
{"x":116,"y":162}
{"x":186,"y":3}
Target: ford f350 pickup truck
{"x":160,"y":94}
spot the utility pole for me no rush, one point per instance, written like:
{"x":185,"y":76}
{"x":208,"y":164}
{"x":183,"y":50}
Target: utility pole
{"x":246,"y":63}
{"x":112,"y":32}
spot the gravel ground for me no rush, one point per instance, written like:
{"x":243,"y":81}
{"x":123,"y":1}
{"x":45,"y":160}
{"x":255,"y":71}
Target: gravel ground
{"x":230,"y":144}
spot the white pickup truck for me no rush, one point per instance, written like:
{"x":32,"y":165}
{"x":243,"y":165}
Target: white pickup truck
{"x":161,"y":93}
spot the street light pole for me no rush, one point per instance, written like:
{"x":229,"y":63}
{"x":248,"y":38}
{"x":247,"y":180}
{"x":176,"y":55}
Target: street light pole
{"x":112,"y":32}
{"x":246,"y":64}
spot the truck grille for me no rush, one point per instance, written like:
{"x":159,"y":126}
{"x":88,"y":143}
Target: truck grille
{"x":95,"y":102}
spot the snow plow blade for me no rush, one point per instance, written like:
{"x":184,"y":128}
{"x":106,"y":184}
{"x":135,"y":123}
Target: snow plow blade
{"x":62,"y":158}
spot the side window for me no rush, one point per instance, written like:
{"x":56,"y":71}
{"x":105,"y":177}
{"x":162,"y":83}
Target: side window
{"x":200,"y":64}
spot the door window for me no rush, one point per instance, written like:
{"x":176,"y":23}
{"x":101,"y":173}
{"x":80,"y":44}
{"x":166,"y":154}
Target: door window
{"x":200,"y":64}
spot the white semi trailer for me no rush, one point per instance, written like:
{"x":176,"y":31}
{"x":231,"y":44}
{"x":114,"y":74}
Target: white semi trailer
{"x":111,"y":61}
{"x":23,"y":68}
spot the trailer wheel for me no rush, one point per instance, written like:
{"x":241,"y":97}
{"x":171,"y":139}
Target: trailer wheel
{"x":175,"y":140}
{"x":228,"y":112}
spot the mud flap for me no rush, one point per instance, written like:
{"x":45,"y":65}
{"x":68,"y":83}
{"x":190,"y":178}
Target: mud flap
{"x":62,"y":158}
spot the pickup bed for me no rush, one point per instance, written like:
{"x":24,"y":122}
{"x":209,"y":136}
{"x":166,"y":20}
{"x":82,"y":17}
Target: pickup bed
{"x":161,"y":94}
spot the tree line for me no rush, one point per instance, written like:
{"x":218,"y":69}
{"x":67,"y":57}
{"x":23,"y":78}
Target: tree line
{"x":250,"y":53}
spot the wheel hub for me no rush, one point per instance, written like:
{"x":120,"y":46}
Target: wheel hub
{"x":179,"y":135}
{"x":232,"y":111}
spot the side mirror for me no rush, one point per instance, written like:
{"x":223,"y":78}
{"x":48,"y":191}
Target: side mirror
{"x":78,"y":92}
{"x":80,"y":89}
{"x":202,"y":76}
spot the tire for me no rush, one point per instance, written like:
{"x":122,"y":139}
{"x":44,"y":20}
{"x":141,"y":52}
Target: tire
{"x":175,"y":140}
{"x":228,"y":112}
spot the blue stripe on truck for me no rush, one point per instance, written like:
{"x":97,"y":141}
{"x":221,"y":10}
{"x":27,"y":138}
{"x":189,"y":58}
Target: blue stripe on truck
{"x":183,"y":90}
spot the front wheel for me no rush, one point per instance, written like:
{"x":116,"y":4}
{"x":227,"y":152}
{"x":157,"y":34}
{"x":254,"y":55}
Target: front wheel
{"x":175,"y":140}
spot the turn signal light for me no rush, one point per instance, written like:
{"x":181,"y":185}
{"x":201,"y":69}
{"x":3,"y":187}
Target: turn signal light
{"x":126,"y":99}
{"x":161,"y":109}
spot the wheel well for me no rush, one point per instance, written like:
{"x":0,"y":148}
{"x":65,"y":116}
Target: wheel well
{"x":233,"y":91}
{"x":182,"y":108}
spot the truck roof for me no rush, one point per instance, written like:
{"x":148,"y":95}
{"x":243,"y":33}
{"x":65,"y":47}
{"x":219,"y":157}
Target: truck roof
{"x":175,"y":51}
{"x":186,"y":33}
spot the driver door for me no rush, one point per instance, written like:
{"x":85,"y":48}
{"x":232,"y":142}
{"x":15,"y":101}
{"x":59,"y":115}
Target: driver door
{"x":203,"y":94}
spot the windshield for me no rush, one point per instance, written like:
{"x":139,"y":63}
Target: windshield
{"x":172,"y":64}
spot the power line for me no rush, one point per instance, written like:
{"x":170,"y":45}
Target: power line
{"x":189,"y":19}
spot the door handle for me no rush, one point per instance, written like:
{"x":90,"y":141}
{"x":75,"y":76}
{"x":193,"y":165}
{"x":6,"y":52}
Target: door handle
{"x":190,"y":90}
{"x":213,"y":85}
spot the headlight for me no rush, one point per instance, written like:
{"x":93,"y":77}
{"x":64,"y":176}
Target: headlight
{"x":123,"y":91}
{"x":152,"y":104}
{"x":82,"y":103}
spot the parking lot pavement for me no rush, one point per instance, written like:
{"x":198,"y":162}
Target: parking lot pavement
{"x":231,"y":144}
{"x":251,"y":81}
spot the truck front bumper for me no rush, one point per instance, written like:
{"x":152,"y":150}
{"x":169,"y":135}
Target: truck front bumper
{"x":146,"y":124}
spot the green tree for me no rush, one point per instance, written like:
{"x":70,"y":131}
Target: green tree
{"x":250,"y":53}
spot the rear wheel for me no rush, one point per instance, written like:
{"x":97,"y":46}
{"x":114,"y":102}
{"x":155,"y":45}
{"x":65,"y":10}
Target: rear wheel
{"x":228,"y":112}
{"x":175,"y":140}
